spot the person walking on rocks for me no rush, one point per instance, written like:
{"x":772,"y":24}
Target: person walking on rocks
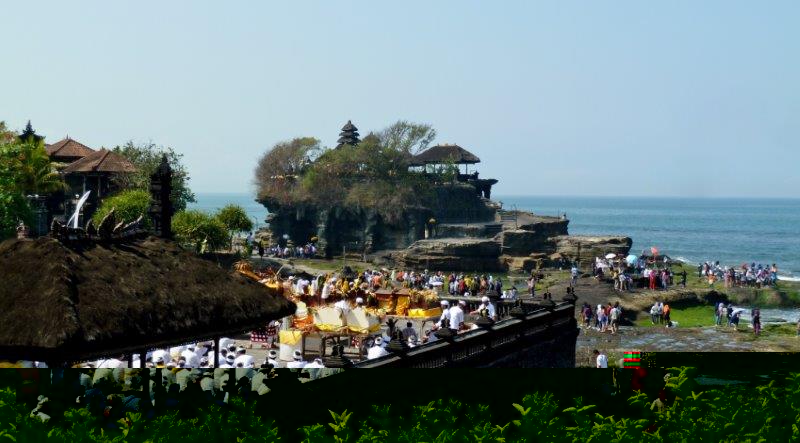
{"x":601,"y":361}
{"x":574,"y":273}
{"x":755,"y":314}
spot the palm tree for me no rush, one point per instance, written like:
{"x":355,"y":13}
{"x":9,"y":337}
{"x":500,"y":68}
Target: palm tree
{"x":31,"y":166}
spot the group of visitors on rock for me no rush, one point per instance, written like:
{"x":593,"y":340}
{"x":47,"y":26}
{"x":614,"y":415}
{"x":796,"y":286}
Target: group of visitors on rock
{"x":603,"y":318}
{"x":752,"y":274}
{"x":660,"y":314}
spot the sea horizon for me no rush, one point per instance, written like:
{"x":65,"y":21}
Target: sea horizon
{"x":691,"y":229}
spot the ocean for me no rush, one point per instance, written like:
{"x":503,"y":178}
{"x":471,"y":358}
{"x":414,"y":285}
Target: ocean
{"x":731,"y":231}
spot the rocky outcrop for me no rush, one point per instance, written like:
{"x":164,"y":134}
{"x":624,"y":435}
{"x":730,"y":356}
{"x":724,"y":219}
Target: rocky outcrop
{"x":452,"y":254}
{"x":521,"y":242}
{"x":588,"y":247}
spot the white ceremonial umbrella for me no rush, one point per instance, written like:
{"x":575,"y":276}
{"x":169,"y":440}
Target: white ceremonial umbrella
{"x":610,"y":256}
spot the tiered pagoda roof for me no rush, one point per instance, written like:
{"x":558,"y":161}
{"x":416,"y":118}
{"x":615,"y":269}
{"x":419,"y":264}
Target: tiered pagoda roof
{"x":349,"y":135}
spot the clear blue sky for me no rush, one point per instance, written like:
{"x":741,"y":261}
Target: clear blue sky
{"x":560,"y":98}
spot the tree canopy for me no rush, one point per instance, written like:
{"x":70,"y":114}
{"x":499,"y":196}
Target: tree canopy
{"x":372,"y":174}
{"x":146,"y":157}
{"x":235,"y":219}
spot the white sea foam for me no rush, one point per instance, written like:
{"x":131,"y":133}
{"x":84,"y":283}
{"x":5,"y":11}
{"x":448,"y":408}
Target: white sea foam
{"x":788,"y":278}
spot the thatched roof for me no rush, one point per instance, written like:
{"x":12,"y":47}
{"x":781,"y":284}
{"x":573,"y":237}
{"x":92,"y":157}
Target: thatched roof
{"x":68,"y":150}
{"x":443,"y":154}
{"x":70,"y":303}
{"x":101,"y":161}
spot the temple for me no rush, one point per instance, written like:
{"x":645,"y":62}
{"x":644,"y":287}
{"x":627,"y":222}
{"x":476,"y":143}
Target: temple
{"x":458,"y":228}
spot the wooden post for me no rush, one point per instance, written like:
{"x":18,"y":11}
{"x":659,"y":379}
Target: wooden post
{"x":216,"y":352}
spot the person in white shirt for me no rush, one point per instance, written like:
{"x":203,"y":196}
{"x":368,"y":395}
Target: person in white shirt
{"x":272,"y":359}
{"x":445,"y":313}
{"x":298,"y":362}
{"x":247,"y":361}
{"x":486,"y":304}
{"x":601,"y":359}
{"x":376,"y":350}
{"x":342,"y":305}
{"x":192,"y":360}
{"x":457,"y":315}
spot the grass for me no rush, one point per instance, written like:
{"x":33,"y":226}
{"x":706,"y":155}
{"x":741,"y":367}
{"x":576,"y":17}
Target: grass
{"x":689,"y":317}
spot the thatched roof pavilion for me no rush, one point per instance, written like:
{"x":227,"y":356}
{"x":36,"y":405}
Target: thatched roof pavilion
{"x":65,"y":302}
{"x":445,"y":153}
{"x":101,"y":161}
{"x":67,"y":150}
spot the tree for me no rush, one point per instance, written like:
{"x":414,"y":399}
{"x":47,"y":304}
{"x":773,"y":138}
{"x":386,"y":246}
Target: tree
{"x":146,"y":158}
{"x":6,"y":135}
{"x":235,"y":220}
{"x":127,"y":205}
{"x":278,"y":168}
{"x":30,"y":135}
{"x":193,"y":227}
{"x":407,"y":137}
{"x":26,"y":168}
{"x":13,"y":209}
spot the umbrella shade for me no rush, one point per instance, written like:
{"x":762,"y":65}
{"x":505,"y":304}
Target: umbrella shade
{"x":654,"y":250}
{"x":631,"y":259}
{"x":610,"y":256}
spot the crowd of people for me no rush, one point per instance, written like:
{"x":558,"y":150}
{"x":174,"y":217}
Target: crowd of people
{"x":603,"y":318}
{"x":753,"y":275}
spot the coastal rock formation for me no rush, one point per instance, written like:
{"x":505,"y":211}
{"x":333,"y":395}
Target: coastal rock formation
{"x":452,"y":254}
{"x":588,"y":247}
{"x":521,"y":242}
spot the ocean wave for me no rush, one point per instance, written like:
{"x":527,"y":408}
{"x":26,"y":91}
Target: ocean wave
{"x":686,"y":260}
{"x":788,"y":278}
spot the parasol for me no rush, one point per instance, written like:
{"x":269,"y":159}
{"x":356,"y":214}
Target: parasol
{"x":631,"y":259}
{"x":610,"y":256}
{"x":654,"y":250}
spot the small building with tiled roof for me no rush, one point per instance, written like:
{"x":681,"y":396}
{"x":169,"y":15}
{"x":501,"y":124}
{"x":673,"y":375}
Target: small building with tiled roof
{"x":102,"y":161}
{"x":67,"y":150}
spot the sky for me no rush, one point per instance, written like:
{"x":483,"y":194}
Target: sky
{"x":683,"y":98}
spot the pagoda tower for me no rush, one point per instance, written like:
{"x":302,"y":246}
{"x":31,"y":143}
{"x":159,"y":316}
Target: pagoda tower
{"x":349,"y":135}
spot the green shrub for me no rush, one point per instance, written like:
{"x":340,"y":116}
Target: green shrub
{"x":127,"y":205}
{"x":193,"y":227}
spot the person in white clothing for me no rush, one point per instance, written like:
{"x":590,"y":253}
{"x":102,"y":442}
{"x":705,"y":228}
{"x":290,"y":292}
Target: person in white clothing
{"x":192,"y":360}
{"x":601,"y":360}
{"x":377,"y":350}
{"x":272,"y":359}
{"x":457,"y":315}
{"x":486,"y":304}
{"x":342,"y":305}
{"x":445,"y":313}
{"x":298,"y":362}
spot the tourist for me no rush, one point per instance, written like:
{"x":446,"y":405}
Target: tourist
{"x":735,"y":319}
{"x":602,"y":320}
{"x":717,"y":313}
{"x":574,"y":274}
{"x":729,"y":314}
{"x":616,"y":315}
{"x":654,"y":313}
{"x":665,"y":312}
{"x":409,"y":331}
{"x":755,"y":315}
{"x":586,"y":314}
{"x":652,"y":280}
{"x":532,"y":286}
{"x":601,"y":361}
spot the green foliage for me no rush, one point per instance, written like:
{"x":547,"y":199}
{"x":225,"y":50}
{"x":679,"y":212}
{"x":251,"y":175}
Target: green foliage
{"x":235,"y":220}
{"x":373,"y":174}
{"x":13,"y":209}
{"x":146,"y":157}
{"x":193,"y":227}
{"x":767,"y":413}
{"x":127,"y":205}
{"x":25,"y":167}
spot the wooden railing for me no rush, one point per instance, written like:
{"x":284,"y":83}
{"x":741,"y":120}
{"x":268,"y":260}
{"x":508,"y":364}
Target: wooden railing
{"x":481,"y":347}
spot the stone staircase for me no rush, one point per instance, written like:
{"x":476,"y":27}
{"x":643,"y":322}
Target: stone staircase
{"x":493,"y":229}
